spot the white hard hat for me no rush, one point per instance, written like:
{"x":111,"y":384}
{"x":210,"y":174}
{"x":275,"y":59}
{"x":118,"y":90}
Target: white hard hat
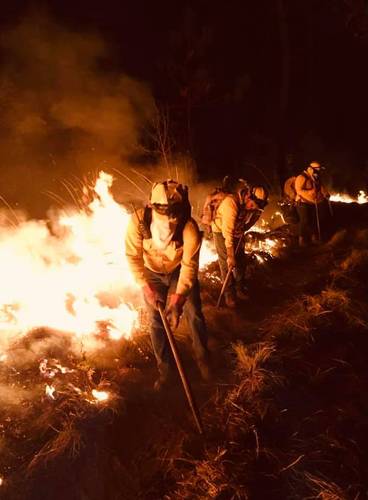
{"x":166,"y":192}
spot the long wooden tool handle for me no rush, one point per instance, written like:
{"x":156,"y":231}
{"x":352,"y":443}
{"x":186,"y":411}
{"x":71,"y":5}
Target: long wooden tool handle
{"x":228,"y":274}
{"x":179,"y":365}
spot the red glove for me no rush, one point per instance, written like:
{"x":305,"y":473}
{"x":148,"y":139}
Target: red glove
{"x":150,"y":295}
{"x":174,"y":310}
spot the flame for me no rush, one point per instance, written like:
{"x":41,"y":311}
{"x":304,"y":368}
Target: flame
{"x":262,"y":248}
{"x":100,"y":395}
{"x":345,"y":198}
{"x":74,"y":276}
{"x":1,"y":481}
{"x":207,"y":254}
{"x":50,"y":390}
{"x":65,"y":270}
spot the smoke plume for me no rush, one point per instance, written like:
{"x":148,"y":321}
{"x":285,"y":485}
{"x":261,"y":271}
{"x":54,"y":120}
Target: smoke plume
{"x":65,"y":109}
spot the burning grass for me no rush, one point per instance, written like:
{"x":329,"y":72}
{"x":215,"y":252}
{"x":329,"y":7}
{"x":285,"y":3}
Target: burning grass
{"x":51,"y":406}
{"x":276,"y":425}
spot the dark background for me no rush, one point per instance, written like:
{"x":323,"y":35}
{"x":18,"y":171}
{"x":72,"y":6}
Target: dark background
{"x":248,"y":86}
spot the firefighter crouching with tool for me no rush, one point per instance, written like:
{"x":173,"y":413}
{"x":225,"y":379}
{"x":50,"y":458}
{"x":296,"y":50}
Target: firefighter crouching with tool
{"x":162,"y":248}
{"x":234,"y":215}
{"x":312,"y":200}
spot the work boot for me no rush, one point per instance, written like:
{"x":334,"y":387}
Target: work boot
{"x":230,"y":300}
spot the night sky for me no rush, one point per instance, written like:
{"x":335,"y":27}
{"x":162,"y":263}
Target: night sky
{"x":222,"y":67}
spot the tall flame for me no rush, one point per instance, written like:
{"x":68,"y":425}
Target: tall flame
{"x":65,"y":277}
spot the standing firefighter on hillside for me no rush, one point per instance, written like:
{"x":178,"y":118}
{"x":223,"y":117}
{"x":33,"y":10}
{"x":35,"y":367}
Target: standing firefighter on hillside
{"x":162,"y":247}
{"x":230,"y":215}
{"x":311,"y":197}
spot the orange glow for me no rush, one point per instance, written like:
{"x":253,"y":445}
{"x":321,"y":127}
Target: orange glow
{"x":55,"y":278}
{"x":100,"y":395}
{"x":345,"y":198}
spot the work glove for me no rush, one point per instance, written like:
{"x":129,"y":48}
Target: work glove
{"x":151,"y":296}
{"x":174,"y":309}
{"x":230,"y":257}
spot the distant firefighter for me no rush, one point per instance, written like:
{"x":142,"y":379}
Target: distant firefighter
{"x":311,"y":202}
{"x":229,"y":212}
{"x":162,"y":249}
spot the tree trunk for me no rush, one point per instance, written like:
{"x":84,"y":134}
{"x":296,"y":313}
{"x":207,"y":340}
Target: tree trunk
{"x":284,"y":92}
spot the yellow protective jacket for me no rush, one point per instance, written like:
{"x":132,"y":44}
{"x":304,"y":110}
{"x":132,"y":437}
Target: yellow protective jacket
{"x":308,"y":191}
{"x":141,"y":253}
{"x":225,"y":219}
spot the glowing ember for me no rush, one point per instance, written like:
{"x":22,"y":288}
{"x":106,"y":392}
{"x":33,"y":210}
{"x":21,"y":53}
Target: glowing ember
{"x":100,"y":395}
{"x":49,"y":370}
{"x":345,"y":198}
{"x":50,"y":390}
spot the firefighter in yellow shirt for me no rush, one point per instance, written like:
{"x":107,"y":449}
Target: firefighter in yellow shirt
{"x":311,"y":198}
{"x":162,"y":246}
{"x":236,"y":214}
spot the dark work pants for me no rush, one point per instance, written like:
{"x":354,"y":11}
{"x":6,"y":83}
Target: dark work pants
{"x":165,"y":285}
{"x":308,"y":219}
{"x":236,"y":278}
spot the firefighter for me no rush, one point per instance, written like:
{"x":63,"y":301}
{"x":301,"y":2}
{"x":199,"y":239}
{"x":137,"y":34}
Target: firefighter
{"x":311,"y":201}
{"x":162,"y":247}
{"x":236,"y":214}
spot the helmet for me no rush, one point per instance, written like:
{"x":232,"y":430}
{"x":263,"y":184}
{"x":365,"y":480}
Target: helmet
{"x":259,"y":195}
{"x":168,"y":198}
{"x":242,"y":189}
{"x":314,"y":169}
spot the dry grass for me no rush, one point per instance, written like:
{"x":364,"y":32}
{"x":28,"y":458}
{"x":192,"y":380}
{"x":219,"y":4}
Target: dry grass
{"x":66,"y":440}
{"x":254,"y":377}
{"x":324,"y":489}
{"x":214,"y":477}
{"x":302,"y":318}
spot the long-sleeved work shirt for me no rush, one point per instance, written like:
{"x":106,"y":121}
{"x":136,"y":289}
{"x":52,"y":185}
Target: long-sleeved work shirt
{"x":141,"y":252}
{"x":225,"y":219}
{"x":308,"y":191}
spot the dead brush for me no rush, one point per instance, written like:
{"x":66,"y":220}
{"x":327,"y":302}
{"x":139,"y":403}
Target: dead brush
{"x":60,"y":427}
{"x":350,"y":270}
{"x":250,"y":396}
{"x":67,"y":439}
{"x":323,"y":489}
{"x":254,"y":377}
{"x":302,"y":317}
{"x":329,"y":300}
{"x":294,"y":320}
{"x":216,"y":476}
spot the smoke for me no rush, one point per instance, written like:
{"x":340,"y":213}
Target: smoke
{"x":65,"y":110}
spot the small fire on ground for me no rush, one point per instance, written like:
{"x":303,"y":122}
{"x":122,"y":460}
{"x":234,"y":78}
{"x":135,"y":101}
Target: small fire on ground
{"x":345,"y":198}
